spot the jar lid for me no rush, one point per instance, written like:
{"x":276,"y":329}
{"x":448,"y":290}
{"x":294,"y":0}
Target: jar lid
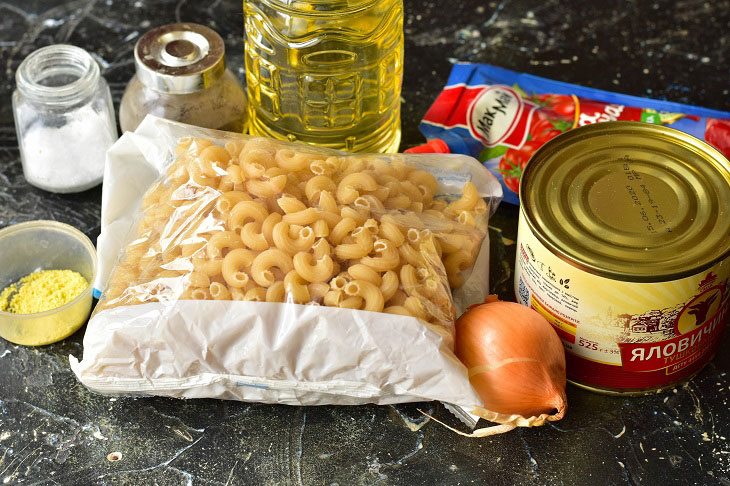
{"x":179,"y":58}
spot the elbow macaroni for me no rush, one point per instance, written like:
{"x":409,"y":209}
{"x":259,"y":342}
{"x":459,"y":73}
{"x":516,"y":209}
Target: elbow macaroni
{"x":256,"y":220}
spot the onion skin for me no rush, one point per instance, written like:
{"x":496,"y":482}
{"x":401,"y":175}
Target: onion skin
{"x":515,"y":359}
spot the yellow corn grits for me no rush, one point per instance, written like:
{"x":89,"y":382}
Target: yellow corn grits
{"x":42,"y":291}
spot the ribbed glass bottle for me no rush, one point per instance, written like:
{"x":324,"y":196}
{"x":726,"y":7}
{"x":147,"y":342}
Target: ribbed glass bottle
{"x":326,"y":72}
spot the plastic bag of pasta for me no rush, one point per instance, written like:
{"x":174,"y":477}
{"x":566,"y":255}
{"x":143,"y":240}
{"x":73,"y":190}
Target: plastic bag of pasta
{"x":243,"y":268}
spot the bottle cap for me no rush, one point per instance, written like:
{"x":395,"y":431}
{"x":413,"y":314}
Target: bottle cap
{"x":179,"y":58}
{"x":433,"y":146}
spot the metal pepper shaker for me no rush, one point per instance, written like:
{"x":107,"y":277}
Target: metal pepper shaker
{"x":181,"y":76}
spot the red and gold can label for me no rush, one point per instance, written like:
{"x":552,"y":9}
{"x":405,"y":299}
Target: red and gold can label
{"x":621,"y":335}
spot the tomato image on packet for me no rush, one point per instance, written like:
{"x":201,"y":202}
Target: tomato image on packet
{"x":502,"y":117}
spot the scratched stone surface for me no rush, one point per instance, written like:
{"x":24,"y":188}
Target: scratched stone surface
{"x":53,"y":431}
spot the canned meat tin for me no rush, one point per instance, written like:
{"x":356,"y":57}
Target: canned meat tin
{"x":623,"y":245}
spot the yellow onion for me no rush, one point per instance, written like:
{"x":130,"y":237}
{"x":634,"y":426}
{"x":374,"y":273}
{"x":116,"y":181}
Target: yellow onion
{"x":515,"y":360}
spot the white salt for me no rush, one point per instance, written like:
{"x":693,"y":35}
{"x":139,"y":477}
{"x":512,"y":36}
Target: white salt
{"x":69,"y":158}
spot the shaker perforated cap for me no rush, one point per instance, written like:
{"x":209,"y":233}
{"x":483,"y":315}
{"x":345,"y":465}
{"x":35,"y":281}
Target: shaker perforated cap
{"x":179,"y":58}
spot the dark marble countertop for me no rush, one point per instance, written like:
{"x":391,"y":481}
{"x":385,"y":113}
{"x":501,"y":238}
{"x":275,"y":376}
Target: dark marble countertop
{"x":54,"y":431}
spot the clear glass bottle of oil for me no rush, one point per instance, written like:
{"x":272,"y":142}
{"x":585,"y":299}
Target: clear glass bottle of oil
{"x":326,"y":72}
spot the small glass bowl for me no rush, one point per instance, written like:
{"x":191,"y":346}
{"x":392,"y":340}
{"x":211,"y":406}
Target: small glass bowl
{"x":45,"y":245}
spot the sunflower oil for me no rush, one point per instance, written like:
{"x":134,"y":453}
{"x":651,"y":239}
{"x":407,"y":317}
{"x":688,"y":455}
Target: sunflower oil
{"x":326,"y":72}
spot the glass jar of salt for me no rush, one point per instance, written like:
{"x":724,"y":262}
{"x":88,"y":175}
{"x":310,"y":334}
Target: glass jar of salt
{"x":181,"y":76}
{"x":64,"y":119}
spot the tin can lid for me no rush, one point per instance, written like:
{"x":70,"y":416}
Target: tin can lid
{"x":630,"y":201}
{"x":179,"y":58}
